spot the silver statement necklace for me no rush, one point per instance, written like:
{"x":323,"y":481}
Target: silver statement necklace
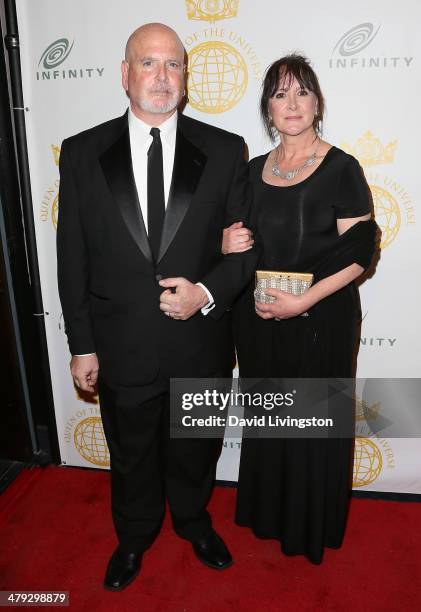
{"x":291,"y":174}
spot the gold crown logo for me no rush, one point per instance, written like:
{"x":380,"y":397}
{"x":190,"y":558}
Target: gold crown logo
{"x":211,"y":10}
{"x":370,"y":151}
{"x":364,"y":412}
{"x":56,"y":154}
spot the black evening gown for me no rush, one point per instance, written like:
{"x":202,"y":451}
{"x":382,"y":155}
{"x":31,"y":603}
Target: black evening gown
{"x":298,"y":490}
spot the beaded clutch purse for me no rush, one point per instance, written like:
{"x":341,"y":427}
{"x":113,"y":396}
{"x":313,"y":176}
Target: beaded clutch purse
{"x":296,"y":283}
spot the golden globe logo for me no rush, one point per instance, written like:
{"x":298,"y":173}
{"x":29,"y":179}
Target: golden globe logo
{"x":368,"y":462}
{"x":221,"y":64}
{"x":392,"y":205}
{"x":49,"y":204}
{"x":89,"y":440}
{"x":387,"y":213}
{"x":83,"y":431}
{"x":218,"y":77}
{"x":391,"y":201}
{"x":211,"y":10}
{"x":372,"y":455}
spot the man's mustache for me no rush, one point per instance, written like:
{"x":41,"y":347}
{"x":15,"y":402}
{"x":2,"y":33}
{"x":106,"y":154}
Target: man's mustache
{"x":163,"y":89}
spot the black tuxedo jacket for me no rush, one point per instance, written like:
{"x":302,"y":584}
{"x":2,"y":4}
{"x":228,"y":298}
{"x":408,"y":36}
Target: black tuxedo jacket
{"x":108,"y":283}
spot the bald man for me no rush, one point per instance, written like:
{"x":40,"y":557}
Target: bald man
{"x":146,"y":291}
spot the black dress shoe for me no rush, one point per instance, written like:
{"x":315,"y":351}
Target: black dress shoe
{"x":122,"y":570}
{"x":211,"y":551}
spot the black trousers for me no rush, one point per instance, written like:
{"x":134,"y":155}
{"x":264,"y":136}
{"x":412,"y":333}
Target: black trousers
{"x":148,"y":467}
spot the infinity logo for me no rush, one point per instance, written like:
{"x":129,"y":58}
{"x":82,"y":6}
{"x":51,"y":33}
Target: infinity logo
{"x":356,"y":39}
{"x":56,"y":53}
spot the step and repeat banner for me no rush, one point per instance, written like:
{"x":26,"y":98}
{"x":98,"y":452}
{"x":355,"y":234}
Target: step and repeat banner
{"x":367,"y":56}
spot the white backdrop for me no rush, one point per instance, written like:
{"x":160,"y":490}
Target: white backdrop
{"x":367,"y":56}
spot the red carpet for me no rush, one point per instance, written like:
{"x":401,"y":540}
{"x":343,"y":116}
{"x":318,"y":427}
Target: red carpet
{"x":56,"y":534}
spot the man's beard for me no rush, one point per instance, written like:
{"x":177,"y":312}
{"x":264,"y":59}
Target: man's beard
{"x":149,"y":106}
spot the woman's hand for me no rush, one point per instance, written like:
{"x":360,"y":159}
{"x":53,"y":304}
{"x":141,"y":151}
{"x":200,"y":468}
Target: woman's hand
{"x":236,"y":239}
{"x":286,"y":305}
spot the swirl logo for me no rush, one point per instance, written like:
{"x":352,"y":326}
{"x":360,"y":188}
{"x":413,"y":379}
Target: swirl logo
{"x":356,"y":39}
{"x":56,"y":53}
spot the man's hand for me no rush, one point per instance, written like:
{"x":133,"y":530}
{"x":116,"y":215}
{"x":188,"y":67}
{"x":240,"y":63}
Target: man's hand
{"x":185,"y":302}
{"x":85,"y":371}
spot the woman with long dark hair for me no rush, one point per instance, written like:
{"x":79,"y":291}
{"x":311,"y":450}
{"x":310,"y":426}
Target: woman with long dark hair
{"x":312,"y":215}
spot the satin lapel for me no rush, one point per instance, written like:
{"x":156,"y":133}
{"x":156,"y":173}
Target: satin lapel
{"x":189,"y":162}
{"x":117,"y":167}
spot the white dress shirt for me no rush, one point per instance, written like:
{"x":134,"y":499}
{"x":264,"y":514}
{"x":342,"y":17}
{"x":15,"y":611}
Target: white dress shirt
{"x":140,"y":141}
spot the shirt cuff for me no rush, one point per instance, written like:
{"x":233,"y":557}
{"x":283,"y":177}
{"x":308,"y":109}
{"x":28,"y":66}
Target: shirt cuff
{"x":84,"y":355}
{"x":211,"y":304}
